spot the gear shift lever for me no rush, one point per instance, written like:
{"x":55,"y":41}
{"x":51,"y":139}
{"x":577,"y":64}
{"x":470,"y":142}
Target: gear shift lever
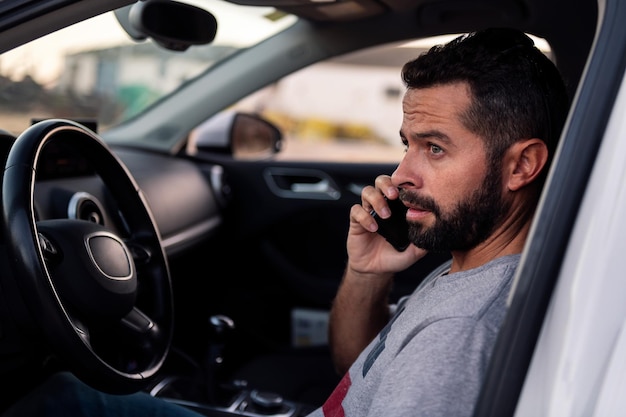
{"x":221,"y":324}
{"x":220,"y":327}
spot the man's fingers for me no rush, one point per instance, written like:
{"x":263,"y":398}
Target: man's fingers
{"x":373,"y":197}
{"x":384,"y":184}
{"x":360,"y":215}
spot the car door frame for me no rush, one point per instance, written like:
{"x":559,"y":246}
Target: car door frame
{"x":550,"y":238}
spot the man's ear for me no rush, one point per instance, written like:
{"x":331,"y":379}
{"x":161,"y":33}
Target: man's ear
{"x":525,"y":161}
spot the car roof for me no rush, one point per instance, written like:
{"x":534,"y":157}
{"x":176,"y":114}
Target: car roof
{"x":553,"y":20}
{"x":568,"y":26}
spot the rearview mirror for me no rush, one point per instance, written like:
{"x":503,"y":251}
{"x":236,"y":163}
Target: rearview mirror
{"x":242,"y":135}
{"x":173,"y":25}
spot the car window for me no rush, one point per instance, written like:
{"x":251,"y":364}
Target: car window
{"x":94,"y":70}
{"x":345,"y":109}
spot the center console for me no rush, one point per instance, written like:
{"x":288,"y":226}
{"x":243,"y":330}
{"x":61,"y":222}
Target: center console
{"x":208,"y":392}
{"x":241,"y":402}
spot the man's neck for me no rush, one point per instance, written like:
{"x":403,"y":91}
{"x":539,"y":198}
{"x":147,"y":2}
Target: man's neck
{"x":502,"y":242}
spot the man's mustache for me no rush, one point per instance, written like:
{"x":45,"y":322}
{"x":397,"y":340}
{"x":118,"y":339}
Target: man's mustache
{"x":423,"y":202}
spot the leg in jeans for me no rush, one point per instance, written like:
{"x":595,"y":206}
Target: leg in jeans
{"x":65,"y":395}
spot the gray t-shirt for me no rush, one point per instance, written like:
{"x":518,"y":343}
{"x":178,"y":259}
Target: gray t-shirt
{"x":431,"y":358}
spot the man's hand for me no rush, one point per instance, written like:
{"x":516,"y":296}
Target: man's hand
{"x":369,"y":252}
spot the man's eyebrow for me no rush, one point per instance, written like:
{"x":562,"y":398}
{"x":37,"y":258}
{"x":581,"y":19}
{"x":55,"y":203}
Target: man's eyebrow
{"x":430,"y":134}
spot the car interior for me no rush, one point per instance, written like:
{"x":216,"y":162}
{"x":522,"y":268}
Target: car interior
{"x":226,"y":251}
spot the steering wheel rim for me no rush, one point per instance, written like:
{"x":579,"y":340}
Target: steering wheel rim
{"x":115,"y":331}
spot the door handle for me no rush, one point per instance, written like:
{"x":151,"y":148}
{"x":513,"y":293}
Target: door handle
{"x":322,"y":186}
{"x":301,"y":183}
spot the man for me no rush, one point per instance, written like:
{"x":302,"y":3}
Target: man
{"x":482,"y":115}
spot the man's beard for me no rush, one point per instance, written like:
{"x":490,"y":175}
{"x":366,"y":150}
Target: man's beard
{"x":467,"y":225}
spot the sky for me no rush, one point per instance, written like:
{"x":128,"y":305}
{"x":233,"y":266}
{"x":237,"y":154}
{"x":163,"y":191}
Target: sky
{"x":44,"y":62}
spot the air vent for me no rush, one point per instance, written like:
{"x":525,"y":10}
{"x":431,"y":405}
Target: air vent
{"x":84,"y":206}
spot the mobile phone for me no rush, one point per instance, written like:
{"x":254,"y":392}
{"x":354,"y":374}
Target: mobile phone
{"x":394,"y":228}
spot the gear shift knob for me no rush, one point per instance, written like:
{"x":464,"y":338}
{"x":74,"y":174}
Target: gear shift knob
{"x":221,"y":325}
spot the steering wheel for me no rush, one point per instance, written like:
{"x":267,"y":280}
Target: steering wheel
{"x":100,"y":296}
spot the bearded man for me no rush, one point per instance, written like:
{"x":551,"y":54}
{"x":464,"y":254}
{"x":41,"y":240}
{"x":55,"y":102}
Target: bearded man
{"x":482,"y":116}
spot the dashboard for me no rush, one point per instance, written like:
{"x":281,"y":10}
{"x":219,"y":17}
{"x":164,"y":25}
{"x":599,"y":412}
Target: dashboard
{"x":179,"y":192}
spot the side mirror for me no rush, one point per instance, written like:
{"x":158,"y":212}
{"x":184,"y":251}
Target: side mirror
{"x":173,"y":25}
{"x":242,"y":135}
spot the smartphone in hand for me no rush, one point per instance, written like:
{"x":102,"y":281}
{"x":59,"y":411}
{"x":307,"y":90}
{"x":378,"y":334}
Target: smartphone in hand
{"x":394,"y":228}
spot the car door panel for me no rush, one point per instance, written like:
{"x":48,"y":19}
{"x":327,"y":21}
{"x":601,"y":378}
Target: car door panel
{"x":292,"y":218}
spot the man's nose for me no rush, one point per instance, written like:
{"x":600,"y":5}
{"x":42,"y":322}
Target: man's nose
{"x":407,"y":173}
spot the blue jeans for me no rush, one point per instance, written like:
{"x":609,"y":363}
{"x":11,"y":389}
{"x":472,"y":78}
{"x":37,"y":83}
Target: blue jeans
{"x":65,"y":395}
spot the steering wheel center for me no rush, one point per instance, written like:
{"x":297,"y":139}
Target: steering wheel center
{"x":92,"y":267}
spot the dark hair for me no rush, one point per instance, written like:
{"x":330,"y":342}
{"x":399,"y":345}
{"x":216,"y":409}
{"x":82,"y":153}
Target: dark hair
{"x":517,"y":91}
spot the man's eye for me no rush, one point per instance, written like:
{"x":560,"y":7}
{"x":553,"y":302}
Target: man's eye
{"x":434,"y":149}
{"x":405,"y":145}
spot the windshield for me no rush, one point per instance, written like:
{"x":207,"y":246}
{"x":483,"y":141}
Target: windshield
{"x":95,"y":71}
